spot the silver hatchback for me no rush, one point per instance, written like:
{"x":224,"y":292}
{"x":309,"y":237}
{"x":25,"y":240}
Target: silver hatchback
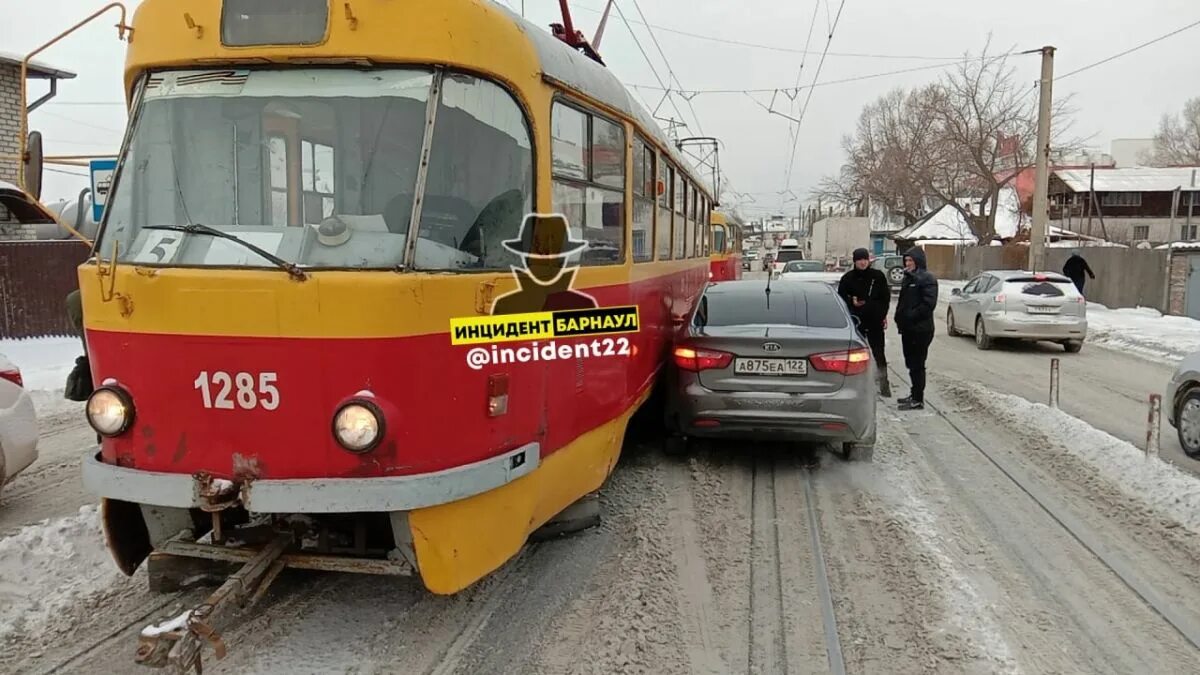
{"x":786,"y":365}
{"x":1012,"y":304}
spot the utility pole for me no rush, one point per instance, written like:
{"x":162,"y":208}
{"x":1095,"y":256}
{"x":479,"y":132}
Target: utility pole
{"x":1037,"y":236}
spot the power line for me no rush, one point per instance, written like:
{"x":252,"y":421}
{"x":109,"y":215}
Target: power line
{"x":666,"y":90}
{"x":83,"y":123}
{"x":670,"y":71}
{"x":787,"y":50}
{"x":69,"y":173}
{"x":796,"y":90}
{"x":1128,"y":51}
{"x":807,"y":99}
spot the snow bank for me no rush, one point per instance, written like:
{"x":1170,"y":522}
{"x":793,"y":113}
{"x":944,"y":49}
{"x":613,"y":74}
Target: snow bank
{"x":48,"y":567}
{"x":1143,"y":331}
{"x":45,"y":364}
{"x":1159,"y":486}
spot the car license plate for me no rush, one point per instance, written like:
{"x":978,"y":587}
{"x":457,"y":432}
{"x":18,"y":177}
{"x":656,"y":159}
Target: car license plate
{"x":770,"y":367}
{"x":1041,"y":309}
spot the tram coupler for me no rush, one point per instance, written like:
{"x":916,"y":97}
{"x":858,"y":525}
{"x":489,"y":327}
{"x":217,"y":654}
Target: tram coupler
{"x":176,"y":644}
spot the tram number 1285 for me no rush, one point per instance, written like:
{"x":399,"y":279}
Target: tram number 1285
{"x":248,"y":392}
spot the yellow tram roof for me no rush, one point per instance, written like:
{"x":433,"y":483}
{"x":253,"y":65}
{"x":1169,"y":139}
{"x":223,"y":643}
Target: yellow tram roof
{"x":475,"y":35}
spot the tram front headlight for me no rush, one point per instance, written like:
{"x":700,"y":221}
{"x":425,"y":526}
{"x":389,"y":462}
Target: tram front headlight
{"x":110,"y":411}
{"x":358,"y":426}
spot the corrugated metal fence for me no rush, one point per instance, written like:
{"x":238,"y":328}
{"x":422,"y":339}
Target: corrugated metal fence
{"x":35,"y":278}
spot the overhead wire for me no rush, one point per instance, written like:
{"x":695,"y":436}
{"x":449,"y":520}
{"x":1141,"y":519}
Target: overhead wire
{"x":638,"y":42}
{"x":799,"y":89}
{"x":670,"y":71}
{"x":808,"y":99}
{"x":786,"y":50}
{"x":1131,"y":50}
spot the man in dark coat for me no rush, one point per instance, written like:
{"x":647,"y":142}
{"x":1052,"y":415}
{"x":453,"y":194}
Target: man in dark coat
{"x":1074,"y":269}
{"x":914,"y":319}
{"x":865,"y":290}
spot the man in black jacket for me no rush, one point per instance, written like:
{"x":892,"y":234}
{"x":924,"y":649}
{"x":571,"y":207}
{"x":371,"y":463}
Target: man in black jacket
{"x":1074,"y":269}
{"x":914,"y":319}
{"x":866,"y":292}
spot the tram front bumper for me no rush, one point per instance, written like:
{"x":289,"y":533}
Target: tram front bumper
{"x":315,"y":495}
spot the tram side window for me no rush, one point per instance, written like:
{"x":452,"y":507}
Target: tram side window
{"x":701,"y":219}
{"x":278,"y":158}
{"x":480,"y":181}
{"x":678,"y":237}
{"x":643,"y":201}
{"x":589,"y":181}
{"x":662,"y":231}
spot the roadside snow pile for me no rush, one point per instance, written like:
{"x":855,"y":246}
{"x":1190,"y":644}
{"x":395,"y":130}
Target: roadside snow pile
{"x":47,"y":567}
{"x":1159,"y":485}
{"x":45,"y":364}
{"x":1143,"y":331}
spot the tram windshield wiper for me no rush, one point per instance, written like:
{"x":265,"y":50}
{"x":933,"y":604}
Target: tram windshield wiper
{"x":291,"y":268}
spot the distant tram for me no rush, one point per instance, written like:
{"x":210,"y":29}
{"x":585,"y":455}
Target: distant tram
{"x":300,"y":211}
{"x":725,"y":259}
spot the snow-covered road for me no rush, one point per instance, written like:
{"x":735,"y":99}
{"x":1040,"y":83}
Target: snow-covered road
{"x":942,"y":555}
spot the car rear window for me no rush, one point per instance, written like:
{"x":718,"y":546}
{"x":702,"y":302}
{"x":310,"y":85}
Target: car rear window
{"x":814,"y":308}
{"x":805,"y":266}
{"x":789,"y":255}
{"x":1046,"y":288}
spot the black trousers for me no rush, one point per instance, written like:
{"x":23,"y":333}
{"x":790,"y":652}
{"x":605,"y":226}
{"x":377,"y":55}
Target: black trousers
{"x":874,"y":336}
{"x":916,"y":350}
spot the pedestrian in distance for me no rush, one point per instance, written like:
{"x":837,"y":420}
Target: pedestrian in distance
{"x":914,"y":319}
{"x":865,"y":291}
{"x":1075,"y":268}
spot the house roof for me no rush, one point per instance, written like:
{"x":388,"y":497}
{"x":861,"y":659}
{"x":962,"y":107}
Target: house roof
{"x":37,"y":69}
{"x":1133,"y":179}
{"x":948,"y":224}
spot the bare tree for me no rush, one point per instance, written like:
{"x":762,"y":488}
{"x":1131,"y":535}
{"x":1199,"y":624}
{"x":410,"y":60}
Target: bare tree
{"x":882,"y":158}
{"x":959,"y":141}
{"x":987,"y":135}
{"x":1177,"y":142}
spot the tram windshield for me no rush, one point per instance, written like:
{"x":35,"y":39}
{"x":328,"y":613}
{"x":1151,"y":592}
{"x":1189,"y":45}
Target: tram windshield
{"x":320,"y":167}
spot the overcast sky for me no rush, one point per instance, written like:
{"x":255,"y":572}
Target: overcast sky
{"x":1120,"y":99}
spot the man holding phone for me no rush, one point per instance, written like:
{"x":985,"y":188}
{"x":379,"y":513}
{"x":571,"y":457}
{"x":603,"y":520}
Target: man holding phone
{"x":866,"y":292}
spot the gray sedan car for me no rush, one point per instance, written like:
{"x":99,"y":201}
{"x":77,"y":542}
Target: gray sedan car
{"x":786,"y":365}
{"x":1182,"y":403}
{"x":1012,"y":304}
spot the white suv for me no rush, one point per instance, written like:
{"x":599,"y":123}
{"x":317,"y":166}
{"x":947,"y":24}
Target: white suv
{"x":18,"y":423}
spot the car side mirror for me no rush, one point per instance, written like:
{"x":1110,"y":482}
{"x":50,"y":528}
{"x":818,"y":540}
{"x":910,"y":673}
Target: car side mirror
{"x":955,"y":291}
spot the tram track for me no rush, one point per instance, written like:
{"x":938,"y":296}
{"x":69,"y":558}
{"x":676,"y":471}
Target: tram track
{"x":1119,"y":565}
{"x":777,"y":579}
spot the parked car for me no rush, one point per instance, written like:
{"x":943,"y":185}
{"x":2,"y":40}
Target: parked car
{"x":892,"y":267}
{"x":788,"y":365}
{"x":809,"y":270}
{"x":18,"y":423}
{"x":1019,"y":305}
{"x":748,"y":259}
{"x":1182,"y":402}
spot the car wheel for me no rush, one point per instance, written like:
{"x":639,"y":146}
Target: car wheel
{"x":1187,"y":423}
{"x":675,"y":445}
{"x":950,"y":329}
{"x":982,"y":339}
{"x":857,"y":452}
{"x":1073,"y":346}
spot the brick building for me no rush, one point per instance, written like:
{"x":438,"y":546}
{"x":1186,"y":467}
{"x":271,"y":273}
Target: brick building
{"x":10,"y":128}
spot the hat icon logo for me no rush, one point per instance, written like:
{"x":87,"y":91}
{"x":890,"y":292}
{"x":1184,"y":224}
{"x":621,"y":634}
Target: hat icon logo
{"x":545,"y":236}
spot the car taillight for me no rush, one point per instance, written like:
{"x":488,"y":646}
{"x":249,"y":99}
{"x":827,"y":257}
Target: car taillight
{"x":695,"y":360}
{"x":13,"y":376}
{"x":851,"y":362}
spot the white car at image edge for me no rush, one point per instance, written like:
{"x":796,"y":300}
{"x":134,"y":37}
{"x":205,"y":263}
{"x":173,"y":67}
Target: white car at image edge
{"x":18,"y":423}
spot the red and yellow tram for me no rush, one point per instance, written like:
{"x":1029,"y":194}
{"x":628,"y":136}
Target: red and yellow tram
{"x":300,"y":211}
{"x":725,"y":259}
